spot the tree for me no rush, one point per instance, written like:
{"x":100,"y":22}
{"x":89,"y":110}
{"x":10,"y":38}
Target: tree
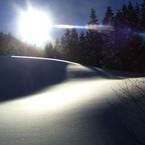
{"x":57,"y":49}
{"x":2,"y":43}
{"x":82,"y":48}
{"x":65,"y":43}
{"x":70,"y":43}
{"x":57,"y":44}
{"x":127,"y":17}
{"x":110,"y":57}
{"x":74,"y":46}
{"x":131,"y":16}
{"x":49,"y":50}
{"x":93,"y":17}
{"x":118,"y":20}
{"x":138,"y":55}
{"x":143,"y":16}
{"x":137,"y":17}
{"x":93,"y":42}
{"x":108,"y":19}
{"x":124,"y":15}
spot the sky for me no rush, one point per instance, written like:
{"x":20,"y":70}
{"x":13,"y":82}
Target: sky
{"x":75,"y":12}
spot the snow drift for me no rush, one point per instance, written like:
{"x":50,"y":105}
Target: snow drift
{"x":46,"y":101}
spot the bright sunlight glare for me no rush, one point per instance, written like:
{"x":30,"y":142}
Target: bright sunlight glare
{"x":35,"y":26}
{"x":99,"y":27}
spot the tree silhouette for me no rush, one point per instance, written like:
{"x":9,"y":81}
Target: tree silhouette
{"x":65,"y":43}
{"x":93,"y":42}
{"x":57,"y":49}
{"x":143,"y":16}
{"x":49,"y":50}
{"x":137,"y":17}
{"x":121,"y":49}
{"x":82,"y":48}
{"x":108,"y":19}
{"x":93,"y":17}
{"x":74,"y":46}
{"x":131,"y":16}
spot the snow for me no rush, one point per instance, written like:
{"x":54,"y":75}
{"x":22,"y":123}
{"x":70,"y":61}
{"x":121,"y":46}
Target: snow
{"x":47,"y":101}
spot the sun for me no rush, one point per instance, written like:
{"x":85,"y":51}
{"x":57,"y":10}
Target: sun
{"x":34,"y":26}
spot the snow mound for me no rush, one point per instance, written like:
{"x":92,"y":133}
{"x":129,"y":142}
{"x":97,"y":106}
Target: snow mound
{"x":21,"y":76}
{"x":47,"y":101}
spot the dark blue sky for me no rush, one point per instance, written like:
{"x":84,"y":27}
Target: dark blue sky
{"x":63,"y":11}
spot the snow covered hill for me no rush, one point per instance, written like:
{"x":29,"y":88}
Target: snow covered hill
{"x":46,"y":101}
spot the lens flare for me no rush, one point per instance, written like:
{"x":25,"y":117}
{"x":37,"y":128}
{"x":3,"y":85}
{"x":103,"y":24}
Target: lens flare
{"x":90,"y":27}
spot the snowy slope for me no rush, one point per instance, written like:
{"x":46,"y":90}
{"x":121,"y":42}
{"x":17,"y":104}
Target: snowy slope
{"x":50,"y":102}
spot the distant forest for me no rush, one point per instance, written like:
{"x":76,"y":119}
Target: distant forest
{"x":122,"y":49}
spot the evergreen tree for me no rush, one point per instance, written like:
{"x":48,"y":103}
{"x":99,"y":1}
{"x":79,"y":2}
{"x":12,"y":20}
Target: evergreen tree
{"x":120,"y":49}
{"x":66,"y":39}
{"x":57,"y":45}
{"x":137,"y":17}
{"x":74,"y":45}
{"x":82,"y":40}
{"x":93,"y":17}
{"x":108,"y":19}
{"x":70,"y":45}
{"x":124,"y":16}
{"x":2,"y":41}
{"x":49,"y":50}
{"x":143,"y":16}
{"x":57,"y":49}
{"x":124,"y":10}
{"x":110,"y":59}
{"x":135,"y":54}
{"x":131,"y":16}
{"x":93,"y":42}
{"x":118,"y":20}
{"x":65,"y":43}
{"x":82,"y":48}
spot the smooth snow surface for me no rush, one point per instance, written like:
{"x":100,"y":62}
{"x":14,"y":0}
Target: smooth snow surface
{"x":54,"y":102}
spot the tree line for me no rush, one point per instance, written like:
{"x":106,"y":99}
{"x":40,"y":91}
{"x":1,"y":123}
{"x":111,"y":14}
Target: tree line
{"x":121,"y":49}
{"x":9,"y":45}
